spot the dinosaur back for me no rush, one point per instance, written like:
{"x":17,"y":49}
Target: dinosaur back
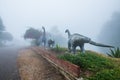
{"x":79,"y":38}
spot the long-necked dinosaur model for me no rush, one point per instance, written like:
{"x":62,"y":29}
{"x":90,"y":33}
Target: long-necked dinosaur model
{"x":44,"y":36}
{"x":76,"y":39}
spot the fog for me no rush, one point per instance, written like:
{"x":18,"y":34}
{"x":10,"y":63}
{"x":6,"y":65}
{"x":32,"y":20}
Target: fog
{"x":86,"y":17}
{"x":110,"y":32}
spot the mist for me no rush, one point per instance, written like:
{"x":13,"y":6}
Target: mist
{"x":110,"y":33}
{"x":79,"y":16}
{"x":57,"y":36}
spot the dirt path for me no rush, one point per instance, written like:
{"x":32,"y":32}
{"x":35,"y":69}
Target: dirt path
{"x":34,"y":67}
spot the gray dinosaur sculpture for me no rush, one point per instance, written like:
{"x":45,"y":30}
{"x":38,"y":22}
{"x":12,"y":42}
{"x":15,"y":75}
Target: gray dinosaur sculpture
{"x":44,"y":36}
{"x":76,"y":39}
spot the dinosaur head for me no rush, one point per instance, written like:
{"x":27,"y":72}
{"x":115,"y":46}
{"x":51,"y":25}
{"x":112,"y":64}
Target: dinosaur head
{"x":43,"y":27}
{"x":66,"y":30}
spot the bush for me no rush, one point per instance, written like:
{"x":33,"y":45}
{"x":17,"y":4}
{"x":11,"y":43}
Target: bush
{"x":114,"y":53}
{"x":35,"y":42}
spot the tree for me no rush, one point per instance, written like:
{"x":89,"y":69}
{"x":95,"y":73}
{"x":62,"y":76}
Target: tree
{"x":2,"y":27}
{"x":6,"y":36}
{"x":34,"y":34}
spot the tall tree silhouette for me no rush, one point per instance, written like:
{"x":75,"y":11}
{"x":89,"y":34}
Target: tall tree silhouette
{"x":32,"y":33}
{"x":2,"y":27}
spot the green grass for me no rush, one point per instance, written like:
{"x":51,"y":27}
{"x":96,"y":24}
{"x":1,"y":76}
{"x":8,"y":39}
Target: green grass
{"x":89,"y":61}
{"x":101,"y":66}
{"x":59,"y":49}
{"x":107,"y":74}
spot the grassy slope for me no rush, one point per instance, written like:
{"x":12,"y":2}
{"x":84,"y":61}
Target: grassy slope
{"x":95,"y":65}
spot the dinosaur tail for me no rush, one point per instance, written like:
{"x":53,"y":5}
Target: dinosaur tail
{"x":99,"y":44}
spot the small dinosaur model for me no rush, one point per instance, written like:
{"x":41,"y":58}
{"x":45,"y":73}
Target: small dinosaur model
{"x":76,"y":39}
{"x":51,"y":43}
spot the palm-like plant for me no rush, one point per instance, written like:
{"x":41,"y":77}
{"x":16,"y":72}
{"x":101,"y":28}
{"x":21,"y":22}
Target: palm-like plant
{"x":114,"y":53}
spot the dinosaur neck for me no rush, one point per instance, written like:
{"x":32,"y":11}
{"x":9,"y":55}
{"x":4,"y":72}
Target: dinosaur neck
{"x":68,"y":34}
{"x":44,"y":33}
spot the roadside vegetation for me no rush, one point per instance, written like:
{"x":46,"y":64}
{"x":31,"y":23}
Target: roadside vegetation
{"x":59,"y":49}
{"x":94,"y":66}
{"x":115,"y":53}
{"x":4,"y":35}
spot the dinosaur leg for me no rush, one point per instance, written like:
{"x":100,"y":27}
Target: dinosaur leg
{"x":82,"y":48}
{"x":74,"y":49}
{"x":69,"y":47}
{"x":44,"y":43}
{"x":52,"y":45}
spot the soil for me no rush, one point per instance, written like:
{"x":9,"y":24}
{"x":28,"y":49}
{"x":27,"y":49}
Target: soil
{"x":33,"y":66}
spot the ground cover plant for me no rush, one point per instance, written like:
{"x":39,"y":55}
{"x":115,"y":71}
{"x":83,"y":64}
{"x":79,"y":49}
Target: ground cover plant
{"x":98,"y":66}
{"x":59,"y":49}
{"x":115,"y":53}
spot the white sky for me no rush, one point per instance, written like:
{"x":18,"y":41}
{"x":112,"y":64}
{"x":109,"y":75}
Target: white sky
{"x":83,"y":16}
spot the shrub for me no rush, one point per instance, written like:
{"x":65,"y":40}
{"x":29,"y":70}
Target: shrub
{"x":114,"y":53}
{"x":35,"y":42}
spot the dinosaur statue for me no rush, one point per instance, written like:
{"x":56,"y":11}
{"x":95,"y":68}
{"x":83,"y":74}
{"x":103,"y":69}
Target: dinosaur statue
{"x":44,"y":36}
{"x":76,"y":39}
{"x":51,"y":43}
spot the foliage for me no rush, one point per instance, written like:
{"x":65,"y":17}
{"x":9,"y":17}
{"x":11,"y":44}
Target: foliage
{"x":99,"y":66}
{"x":6,"y":36}
{"x":32,"y":33}
{"x":35,"y":42}
{"x":112,"y":74}
{"x":58,"y":48}
{"x":114,"y":53}
{"x":2,"y":27}
{"x":69,"y":57}
{"x":89,"y":61}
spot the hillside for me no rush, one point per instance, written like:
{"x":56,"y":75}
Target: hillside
{"x":94,"y":66}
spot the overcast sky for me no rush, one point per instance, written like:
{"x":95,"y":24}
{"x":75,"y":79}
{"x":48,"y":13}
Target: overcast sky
{"x":86,"y":17}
